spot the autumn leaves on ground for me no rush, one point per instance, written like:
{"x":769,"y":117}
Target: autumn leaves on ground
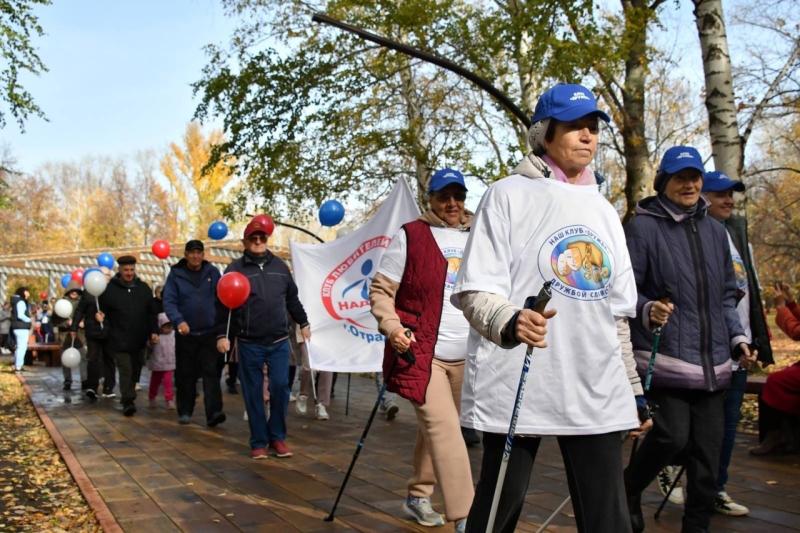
{"x":37,"y":492}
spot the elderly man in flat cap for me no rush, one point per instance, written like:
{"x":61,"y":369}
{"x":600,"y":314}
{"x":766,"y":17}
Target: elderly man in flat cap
{"x":128,"y":311}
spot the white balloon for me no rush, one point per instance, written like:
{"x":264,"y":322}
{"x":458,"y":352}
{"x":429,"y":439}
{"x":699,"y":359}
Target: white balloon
{"x":95,"y":283}
{"x":63,"y":308}
{"x":71,"y":358}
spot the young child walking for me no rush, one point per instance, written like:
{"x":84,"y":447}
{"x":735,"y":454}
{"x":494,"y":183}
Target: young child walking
{"x":161,"y":362}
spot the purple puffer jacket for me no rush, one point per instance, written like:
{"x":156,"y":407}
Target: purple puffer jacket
{"x":687,"y":258}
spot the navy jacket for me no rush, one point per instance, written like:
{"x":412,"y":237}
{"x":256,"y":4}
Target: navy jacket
{"x":688,"y":259}
{"x":262,"y":318}
{"x":192,"y":298}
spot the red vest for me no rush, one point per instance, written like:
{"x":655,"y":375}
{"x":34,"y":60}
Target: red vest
{"x":418,"y":303}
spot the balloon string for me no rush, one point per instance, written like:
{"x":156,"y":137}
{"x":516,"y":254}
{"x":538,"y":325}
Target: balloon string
{"x":227,"y":333}
{"x":97,"y":301}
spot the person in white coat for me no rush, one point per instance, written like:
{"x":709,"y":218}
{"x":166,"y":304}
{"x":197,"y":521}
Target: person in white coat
{"x":549,"y":222}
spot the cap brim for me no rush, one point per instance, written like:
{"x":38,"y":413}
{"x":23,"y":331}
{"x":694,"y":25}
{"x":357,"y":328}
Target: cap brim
{"x":676,"y":167}
{"x":727,"y":185}
{"x":446,"y":183}
{"x":577,"y":112}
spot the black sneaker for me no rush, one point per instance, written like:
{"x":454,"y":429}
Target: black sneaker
{"x":129,"y":410}
{"x":92,"y":395}
{"x":216,"y":420}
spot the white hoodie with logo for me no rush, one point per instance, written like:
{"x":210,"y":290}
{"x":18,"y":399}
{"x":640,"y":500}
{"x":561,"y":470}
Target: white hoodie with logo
{"x":528,"y":231}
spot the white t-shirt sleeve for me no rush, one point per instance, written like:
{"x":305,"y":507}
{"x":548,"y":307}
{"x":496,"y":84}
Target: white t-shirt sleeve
{"x":623,"y":295}
{"x":393,"y":262}
{"x":488,"y":255}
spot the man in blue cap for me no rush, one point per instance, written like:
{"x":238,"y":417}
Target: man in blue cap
{"x":718,"y":190}
{"x":410,"y":298}
{"x":686,"y":285}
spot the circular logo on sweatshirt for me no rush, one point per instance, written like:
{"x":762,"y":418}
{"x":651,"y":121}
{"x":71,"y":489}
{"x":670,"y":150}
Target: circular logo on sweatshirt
{"x":578,"y":262}
{"x":453,"y":257}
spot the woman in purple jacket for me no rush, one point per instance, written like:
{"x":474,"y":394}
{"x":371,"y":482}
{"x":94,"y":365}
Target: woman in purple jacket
{"x":685,"y":280}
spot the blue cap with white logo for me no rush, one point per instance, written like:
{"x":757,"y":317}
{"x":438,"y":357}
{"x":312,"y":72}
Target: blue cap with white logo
{"x":678,"y":158}
{"x":566,"y":102}
{"x":444,"y":177}
{"x":716,"y":181}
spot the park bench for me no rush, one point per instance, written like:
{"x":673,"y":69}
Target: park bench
{"x":49,"y":353}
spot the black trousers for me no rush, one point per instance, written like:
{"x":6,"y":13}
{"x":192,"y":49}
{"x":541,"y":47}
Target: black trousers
{"x":125,"y":362}
{"x":196,"y":357}
{"x":689,"y":423}
{"x":594,"y":473}
{"x":109,"y":372}
{"x":94,"y":360}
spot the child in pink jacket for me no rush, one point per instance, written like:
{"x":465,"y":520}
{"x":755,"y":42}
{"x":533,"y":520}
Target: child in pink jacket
{"x":161,"y":362}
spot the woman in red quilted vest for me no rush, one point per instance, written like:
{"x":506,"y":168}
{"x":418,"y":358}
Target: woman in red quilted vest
{"x":410,"y":297}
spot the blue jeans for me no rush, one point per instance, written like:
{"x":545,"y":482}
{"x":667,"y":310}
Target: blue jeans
{"x":733,"y":405}
{"x":252,"y":358}
{"x":21,"y":336}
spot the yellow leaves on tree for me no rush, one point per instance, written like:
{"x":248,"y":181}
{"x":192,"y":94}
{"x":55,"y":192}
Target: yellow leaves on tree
{"x":197,"y":193}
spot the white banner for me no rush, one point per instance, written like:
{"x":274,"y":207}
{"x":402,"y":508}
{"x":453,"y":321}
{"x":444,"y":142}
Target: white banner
{"x":333,"y":279}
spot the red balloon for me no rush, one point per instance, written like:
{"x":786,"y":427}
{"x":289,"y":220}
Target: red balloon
{"x":160,"y":249}
{"x":233,"y":290}
{"x":42,"y":295}
{"x":267,"y":222}
{"x":77,"y":275}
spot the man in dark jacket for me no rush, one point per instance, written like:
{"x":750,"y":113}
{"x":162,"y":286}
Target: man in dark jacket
{"x":189,"y":298}
{"x":684,"y":275}
{"x":718,"y":189}
{"x":127,"y":311}
{"x":261,"y":330}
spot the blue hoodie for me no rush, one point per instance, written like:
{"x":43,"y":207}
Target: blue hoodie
{"x":191,"y":297}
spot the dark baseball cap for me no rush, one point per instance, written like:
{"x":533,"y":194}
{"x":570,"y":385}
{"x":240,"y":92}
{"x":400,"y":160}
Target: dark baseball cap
{"x":194,"y":244}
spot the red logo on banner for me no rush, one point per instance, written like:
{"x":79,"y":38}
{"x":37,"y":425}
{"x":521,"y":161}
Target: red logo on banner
{"x":345,"y":290}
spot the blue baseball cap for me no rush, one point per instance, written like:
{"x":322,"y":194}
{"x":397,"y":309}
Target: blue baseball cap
{"x":444,"y":177}
{"x":716,"y":181}
{"x":678,"y":158}
{"x":566,"y":102}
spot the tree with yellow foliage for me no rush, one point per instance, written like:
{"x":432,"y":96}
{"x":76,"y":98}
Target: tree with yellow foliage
{"x":198,"y":191}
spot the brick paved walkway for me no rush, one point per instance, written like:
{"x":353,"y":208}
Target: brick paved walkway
{"x":156,"y":475}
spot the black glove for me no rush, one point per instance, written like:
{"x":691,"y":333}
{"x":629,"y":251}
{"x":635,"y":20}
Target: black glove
{"x":643,"y":409}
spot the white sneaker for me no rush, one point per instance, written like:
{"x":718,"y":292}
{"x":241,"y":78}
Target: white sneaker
{"x":301,"y":404}
{"x":420,"y":509}
{"x":723,"y":504}
{"x":137,"y":387}
{"x":244,"y":416}
{"x":292,"y":396}
{"x":665,"y":478}
{"x":322,"y":413}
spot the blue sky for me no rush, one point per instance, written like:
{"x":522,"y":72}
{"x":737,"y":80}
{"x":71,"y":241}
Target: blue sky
{"x":119,"y":77}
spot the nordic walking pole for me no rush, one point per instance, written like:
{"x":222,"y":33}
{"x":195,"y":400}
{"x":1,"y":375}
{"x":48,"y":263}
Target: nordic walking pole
{"x":360,"y":445}
{"x":651,"y":365}
{"x":553,"y":515}
{"x":347,"y":398}
{"x":669,"y":492}
{"x":407,"y":356}
{"x":537,"y":303}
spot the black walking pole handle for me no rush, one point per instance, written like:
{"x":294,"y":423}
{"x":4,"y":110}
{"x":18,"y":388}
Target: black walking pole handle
{"x":408,"y":355}
{"x":539,"y":302}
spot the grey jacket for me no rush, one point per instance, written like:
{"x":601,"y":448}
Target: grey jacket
{"x":687,"y":258}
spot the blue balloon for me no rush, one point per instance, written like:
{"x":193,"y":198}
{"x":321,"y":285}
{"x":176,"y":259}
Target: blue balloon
{"x":65,"y":279}
{"x":331,"y":212}
{"x":105,"y":260}
{"x":217,"y":230}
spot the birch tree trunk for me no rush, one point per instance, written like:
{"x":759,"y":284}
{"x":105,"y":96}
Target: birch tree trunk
{"x":726,"y":143}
